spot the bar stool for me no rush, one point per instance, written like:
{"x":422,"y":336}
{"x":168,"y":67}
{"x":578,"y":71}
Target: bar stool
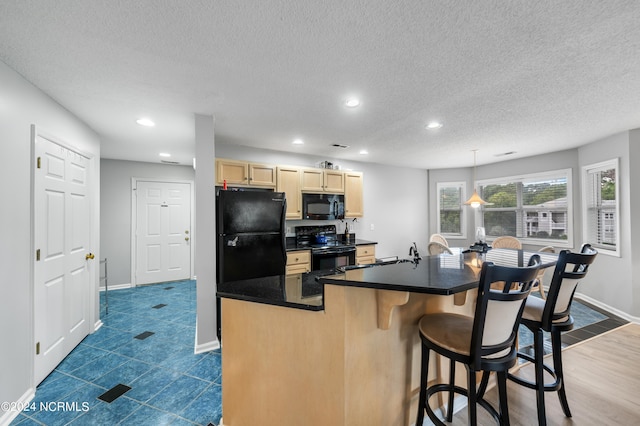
{"x":507,"y":241}
{"x":538,"y":283}
{"x":485,"y":342}
{"x":439,"y":239}
{"x":435,"y":248}
{"x":553,"y":315}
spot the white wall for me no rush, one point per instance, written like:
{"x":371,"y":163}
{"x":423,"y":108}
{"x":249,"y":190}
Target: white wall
{"x":205,"y":234}
{"x":21,"y":105}
{"x":115,"y":193}
{"x":611,"y":279}
{"x":632,"y":212}
{"x":395,"y":198}
{"x":537,"y":164}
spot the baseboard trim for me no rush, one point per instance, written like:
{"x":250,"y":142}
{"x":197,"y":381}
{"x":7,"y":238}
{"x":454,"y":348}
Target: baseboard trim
{"x":207,"y":347}
{"x":118,"y":287}
{"x":604,"y":306}
{"x":8,"y":416}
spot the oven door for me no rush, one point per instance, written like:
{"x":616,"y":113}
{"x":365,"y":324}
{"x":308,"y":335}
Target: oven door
{"x":329,"y":259}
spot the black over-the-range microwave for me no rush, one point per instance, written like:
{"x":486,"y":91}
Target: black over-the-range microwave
{"x":322,"y":206}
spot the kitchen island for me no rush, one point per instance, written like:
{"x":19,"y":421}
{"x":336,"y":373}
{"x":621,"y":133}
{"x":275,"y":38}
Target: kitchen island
{"x":342,"y":349}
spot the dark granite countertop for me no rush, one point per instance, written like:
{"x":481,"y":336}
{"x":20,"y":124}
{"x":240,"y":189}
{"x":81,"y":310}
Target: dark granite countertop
{"x":302,"y":291}
{"x":443,"y":275}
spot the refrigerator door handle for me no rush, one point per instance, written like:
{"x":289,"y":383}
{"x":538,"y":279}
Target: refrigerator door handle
{"x":283,"y":216}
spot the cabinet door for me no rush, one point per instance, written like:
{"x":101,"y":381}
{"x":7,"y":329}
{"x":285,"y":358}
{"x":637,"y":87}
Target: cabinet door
{"x":234,"y":172}
{"x":262,"y":175}
{"x":289,"y":183}
{"x":333,"y":181}
{"x":313,"y":180}
{"x":353,"y":199}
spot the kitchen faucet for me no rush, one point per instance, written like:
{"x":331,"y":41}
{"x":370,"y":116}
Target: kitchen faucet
{"x":413,"y":250}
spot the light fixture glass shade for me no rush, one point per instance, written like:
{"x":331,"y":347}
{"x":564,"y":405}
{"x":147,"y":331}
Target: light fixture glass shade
{"x":475,"y":201}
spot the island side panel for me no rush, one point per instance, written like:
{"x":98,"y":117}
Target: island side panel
{"x":282,"y":366}
{"x":383,"y":366}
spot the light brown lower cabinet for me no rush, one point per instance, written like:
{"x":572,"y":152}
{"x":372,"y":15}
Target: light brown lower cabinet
{"x":298,"y":262}
{"x":365,"y":254}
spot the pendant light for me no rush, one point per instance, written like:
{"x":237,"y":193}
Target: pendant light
{"x":475,"y":201}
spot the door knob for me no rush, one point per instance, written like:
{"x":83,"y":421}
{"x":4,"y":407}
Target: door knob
{"x":89,"y":256}
{"x":186,"y":238}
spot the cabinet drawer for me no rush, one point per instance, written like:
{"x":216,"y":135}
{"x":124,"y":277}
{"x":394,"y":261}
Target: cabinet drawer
{"x":365,"y":260}
{"x":297,"y":257}
{"x":364,"y":251}
{"x":298,"y":268}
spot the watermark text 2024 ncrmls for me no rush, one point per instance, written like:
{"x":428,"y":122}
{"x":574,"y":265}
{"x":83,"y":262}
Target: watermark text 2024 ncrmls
{"x":61,"y":406}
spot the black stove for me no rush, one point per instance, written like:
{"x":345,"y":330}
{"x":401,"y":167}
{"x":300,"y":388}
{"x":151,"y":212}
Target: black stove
{"x":328,"y":250}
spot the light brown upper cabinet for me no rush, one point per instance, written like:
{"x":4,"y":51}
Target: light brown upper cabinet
{"x":353,"y":200}
{"x":322,"y":180}
{"x":242,"y":173}
{"x":289,"y":183}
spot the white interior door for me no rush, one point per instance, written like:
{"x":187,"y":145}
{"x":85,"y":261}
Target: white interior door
{"x":62,"y":285}
{"x":163,"y":232}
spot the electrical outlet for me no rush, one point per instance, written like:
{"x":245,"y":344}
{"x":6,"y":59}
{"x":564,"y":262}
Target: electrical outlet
{"x":372,"y":227}
{"x":288,"y":229}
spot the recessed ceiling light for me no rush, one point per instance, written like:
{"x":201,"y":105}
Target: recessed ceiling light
{"x":364,"y":152}
{"x":145,"y":122}
{"x":352,"y":102}
{"x":433,"y":125}
{"x":298,"y":142}
{"x":165,"y":154}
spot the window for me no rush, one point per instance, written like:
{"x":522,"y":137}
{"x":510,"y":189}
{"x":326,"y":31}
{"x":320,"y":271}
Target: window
{"x":535,"y":208}
{"x":600,"y":210}
{"x":451,"y":196}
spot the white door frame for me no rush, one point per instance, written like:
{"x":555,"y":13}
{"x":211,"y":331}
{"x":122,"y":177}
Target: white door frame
{"x":93,"y":272}
{"x":134,"y":222}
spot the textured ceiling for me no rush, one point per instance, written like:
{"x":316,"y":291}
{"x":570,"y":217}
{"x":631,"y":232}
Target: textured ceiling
{"x":502,"y":76}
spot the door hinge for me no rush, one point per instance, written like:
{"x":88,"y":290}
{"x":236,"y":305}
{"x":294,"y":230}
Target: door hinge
{"x":38,"y":348}
{"x":37,"y":255}
{"x":39,"y":162}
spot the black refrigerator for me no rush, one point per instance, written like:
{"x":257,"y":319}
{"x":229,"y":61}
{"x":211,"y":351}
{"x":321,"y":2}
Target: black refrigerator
{"x":251,"y":240}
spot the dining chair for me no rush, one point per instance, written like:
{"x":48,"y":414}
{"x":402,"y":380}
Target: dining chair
{"x":439,"y":239}
{"x":507,"y":241}
{"x":539,"y":282}
{"x":485,"y":342}
{"x":435,"y":248}
{"x":553,"y":316}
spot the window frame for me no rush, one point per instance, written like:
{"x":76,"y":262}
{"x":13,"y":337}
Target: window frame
{"x":523,"y":179}
{"x":613,"y":163}
{"x":463,"y":215}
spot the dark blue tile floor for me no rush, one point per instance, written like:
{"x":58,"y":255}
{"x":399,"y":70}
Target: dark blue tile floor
{"x":145,"y":346}
{"x":589,"y":321}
